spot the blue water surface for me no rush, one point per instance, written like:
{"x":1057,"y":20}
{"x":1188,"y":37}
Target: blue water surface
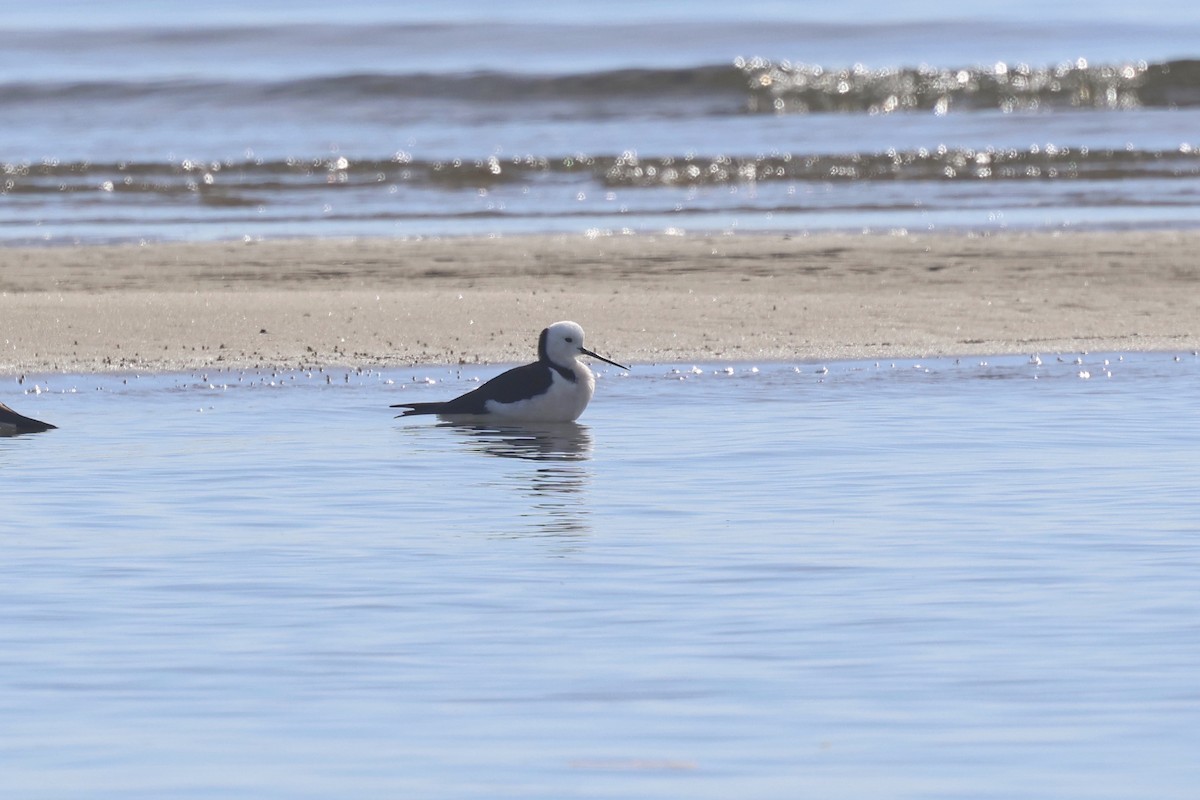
{"x":153,"y":121}
{"x":895,"y":580}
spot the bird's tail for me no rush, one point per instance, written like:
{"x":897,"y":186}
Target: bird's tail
{"x":11,"y":422}
{"x":415,"y":409}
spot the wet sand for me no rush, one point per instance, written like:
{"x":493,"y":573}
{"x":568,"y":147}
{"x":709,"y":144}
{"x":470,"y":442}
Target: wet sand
{"x":183,"y":306}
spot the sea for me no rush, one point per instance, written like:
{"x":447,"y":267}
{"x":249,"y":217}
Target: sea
{"x":921,"y":578}
{"x":158,"y":120}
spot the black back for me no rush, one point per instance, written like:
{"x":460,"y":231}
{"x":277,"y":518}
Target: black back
{"x":507,"y":387}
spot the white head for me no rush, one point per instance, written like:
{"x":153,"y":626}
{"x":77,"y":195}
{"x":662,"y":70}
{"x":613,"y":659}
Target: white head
{"x":562,"y":344}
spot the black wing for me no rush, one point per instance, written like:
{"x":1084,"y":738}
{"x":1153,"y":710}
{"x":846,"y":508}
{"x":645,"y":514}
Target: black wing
{"x":12,"y":423}
{"x":519,"y":383}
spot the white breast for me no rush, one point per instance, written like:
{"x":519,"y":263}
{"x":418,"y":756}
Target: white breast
{"x":563,"y":402}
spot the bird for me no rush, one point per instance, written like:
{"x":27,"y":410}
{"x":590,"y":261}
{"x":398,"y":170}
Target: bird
{"x":12,"y":423}
{"x":555,"y":388}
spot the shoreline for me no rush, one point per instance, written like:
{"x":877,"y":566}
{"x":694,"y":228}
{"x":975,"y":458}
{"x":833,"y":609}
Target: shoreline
{"x":176,"y":307}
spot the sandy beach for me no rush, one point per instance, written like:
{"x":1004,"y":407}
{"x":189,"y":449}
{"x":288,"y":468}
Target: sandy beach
{"x":184,"y":306}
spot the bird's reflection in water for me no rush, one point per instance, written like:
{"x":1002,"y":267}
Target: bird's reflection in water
{"x":558,"y":478}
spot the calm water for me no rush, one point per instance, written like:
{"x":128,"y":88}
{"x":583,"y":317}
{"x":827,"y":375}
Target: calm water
{"x":902,"y":580}
{"x":148,"y":120}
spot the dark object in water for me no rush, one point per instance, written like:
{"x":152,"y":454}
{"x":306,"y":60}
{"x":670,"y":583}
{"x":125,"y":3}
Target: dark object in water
{"x":12,"y":423}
